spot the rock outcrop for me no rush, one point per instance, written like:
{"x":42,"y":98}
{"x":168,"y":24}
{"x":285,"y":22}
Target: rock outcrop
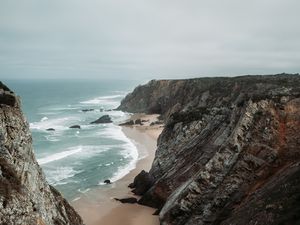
{"x":25,"y":196}
{"x":102,"y":119}
{"x":75,"y":127}
{"x":230,"y":150}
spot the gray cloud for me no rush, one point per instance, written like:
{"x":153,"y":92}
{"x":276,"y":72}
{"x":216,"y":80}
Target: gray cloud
{"x":147,"y":39}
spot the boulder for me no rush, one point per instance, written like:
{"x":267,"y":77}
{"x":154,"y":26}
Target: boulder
{"x":50,"y":129}
{"x":75,"y":127}
{"x":138,"y":122}
{"x":102,"y":119}
{"x":142,"y":183}
{"x":107,"y":181}
{"x":130,"y":200}
{"x":87,"y":110}
{"x":159,"y":122}
{"x":128,"y":123}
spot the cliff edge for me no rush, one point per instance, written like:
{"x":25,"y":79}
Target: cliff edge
{"x":25,"y":196}
{"x":230,"y":150}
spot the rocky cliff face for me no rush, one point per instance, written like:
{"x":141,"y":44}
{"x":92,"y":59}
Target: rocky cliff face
{"x":230,"y":150}
{"x":25,"y":196}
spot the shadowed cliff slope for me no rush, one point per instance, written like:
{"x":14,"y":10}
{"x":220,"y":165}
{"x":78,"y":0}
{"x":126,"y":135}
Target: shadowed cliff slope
{"x":230,"y":150}
{"x":25,"y":196}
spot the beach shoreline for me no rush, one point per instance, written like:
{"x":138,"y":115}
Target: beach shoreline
{"x":98,"y":206}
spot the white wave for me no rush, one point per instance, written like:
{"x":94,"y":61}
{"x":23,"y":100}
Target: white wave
{"x":58,"y":156}
{"x":84,"y":191}
{"x":75,"y":199}
{"x":62,"y":108}
{"x":52,"y":138}
{"x":59,"y":175}
{"x":44,"y":118}
{"x":129,"y":151}
{"x":111,"y":100}
{"x":114,"y":132}
{"x":56,"y":123}
{"x":81,"y":151}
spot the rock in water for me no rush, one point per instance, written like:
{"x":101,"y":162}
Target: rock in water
{"x":87,"y":110}
{"x":102,"y":119}
{"x":229,"y":153}
{"x":75,"y":127}
{"x":50,"y":129}
{"x":130,"y":200}
{"x":107,"y":182}
{"x":25,"y":196}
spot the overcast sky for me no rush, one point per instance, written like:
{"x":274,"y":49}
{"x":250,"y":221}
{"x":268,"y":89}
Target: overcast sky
{"x":147,"y":39}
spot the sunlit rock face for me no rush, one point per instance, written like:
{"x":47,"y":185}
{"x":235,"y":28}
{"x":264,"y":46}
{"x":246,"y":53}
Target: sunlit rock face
{"x":230,"y":150}
{"x":25,"y":196}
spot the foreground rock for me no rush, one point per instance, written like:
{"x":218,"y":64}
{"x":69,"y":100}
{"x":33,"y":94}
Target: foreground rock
{"x":102,"y":119}
{"x":229,"y":153}
{"x":130,"y":200}
{"x":75,"y":127}
{"x":25,"y":196}
{"x":142,"y":183}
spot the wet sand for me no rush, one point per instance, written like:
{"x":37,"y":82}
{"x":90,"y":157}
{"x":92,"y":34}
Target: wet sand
{"x":98,"y":207}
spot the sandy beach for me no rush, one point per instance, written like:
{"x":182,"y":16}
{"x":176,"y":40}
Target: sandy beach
{"x":98,"y":207}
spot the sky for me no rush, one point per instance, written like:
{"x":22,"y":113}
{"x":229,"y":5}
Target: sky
{"x":134,"y":39}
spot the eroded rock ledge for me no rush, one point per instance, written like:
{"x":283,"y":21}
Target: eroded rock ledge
{"x":230,"y":150}
{"x":25,"y":196}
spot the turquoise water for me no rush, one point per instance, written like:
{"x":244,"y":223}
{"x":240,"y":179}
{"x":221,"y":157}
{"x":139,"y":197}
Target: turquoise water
{"x":76,"y":160}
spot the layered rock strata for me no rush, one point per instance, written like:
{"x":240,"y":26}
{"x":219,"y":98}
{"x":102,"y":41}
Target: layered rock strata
{"x":25,"y":195}
{"x":229,"y":152}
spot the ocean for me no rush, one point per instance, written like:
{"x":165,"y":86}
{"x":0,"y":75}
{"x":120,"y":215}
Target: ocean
{"x":77,"y":160}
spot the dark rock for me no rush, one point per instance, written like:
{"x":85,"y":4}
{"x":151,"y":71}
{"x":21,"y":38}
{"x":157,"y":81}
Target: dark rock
{"x":7,"y":97}
{"x":87,"y":110}
{"x":159,"y":122}
{"x":75,"y":126}
{"x":130,"y":200}
{"x":107,"y":182}
{"x":142,"y":182}
{"x":131,"y":185}
{"x":25,"y":195}
{"x":138,"y":122}
{"x":145,"y":121}
{"x":128,"y":123}
{"x":229,"y":153}
{"x":50,"y":129}
{"x":156,"y":213}
{"x":102,"y":119}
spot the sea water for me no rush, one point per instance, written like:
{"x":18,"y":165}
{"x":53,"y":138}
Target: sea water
{"x":76,"y":160}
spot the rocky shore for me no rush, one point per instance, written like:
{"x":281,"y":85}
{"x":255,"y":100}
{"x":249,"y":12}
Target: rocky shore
{"x":229,"y":153}
{"x":25,"y":195}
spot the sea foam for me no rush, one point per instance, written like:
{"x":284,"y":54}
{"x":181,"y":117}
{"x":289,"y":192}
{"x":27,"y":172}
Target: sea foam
{"x":111,"y":100}
{"x":128,"y":150}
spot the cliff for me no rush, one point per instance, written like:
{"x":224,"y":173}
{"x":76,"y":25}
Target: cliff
{"x":229,"y":152}
{"x":25,"y":196}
